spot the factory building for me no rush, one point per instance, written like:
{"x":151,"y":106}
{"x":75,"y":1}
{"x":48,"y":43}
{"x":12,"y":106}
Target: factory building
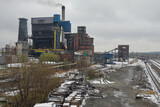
{"x":43,"y":31}
{"x":80,"y":40}
{"x":123,"y":52}
{"x":48,"y":33}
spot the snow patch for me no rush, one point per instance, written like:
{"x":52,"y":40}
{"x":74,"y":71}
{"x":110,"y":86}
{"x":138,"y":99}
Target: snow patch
{"x":139,"y":62}
{"x":119,"y":94}
{"x":60,"y":74}
{"x":97,"y":66}
{"x":11,"y":93}
{"x":101,"y":81}
{"x":67,"y":73}
{"x":15,"y":65}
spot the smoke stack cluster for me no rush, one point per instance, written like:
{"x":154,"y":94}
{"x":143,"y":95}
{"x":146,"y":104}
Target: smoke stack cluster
{"x":23,"y":31}
{"x":63,"y":13}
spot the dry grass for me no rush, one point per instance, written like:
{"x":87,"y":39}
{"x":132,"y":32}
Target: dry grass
{"x":148,"y":92}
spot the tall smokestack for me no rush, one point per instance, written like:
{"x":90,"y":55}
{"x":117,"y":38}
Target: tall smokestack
{"x":63,"y":13}
{"x":23,"y":31}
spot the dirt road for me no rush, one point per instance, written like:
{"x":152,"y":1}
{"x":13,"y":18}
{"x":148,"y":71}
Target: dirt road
{"x":120,"y":93}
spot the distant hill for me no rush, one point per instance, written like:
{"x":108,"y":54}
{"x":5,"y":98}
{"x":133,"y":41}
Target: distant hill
{"x":154,"y":53}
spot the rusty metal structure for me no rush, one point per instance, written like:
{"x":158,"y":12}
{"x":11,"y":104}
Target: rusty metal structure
{"x":123,"y":52}
{"x":80,"y":40}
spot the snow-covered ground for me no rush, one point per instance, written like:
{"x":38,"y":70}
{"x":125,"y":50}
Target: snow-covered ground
{"x":61,"y":74}
{"x":139,"y":62}
{"x":33,"y":61}
{"x":66,"y":73}
{"x":96,"y":66}
{"x":118,"y":65}
{"x":52,"y":63}
{"x":114,"y":66}
{"x":108,"y":68}
{"x":153,"y":98}
{"x":101,"y":81}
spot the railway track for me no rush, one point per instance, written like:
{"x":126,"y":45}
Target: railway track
{"x":154,"y":79}
{"x":156,"y":63}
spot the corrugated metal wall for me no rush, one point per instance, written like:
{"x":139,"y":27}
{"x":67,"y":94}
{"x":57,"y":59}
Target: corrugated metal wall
{"x":42,"y":20}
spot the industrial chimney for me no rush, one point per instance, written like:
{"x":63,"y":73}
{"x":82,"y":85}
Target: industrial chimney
{"x":23,"y":31}
{"x":22,"y":44}
{"x":63,"y":13}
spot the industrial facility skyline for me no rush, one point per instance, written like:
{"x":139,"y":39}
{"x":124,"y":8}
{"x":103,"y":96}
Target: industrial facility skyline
{"x":133,"y":22}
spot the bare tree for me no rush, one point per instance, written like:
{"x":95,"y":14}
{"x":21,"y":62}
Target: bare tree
{"x":31,"y":82}
{"x":82,"y":66}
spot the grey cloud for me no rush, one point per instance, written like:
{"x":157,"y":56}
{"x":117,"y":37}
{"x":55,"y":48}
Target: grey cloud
{"x":110,"y":22}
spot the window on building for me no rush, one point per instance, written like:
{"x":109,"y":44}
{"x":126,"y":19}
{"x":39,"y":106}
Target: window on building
{"x":41,"y":21}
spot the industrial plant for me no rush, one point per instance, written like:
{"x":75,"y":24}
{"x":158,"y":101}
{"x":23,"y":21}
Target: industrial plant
{"x":78,"y":71}
{"x":47,"y":64}
{"x":54,"y":35}
{"x":51,"y":34}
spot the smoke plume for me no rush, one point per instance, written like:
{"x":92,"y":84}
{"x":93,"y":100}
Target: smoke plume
{"x":49,"y":3}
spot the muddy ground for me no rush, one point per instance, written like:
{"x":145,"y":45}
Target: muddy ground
{"x":120,"y":93}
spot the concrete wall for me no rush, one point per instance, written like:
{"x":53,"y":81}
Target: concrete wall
{"x":2,"y":60}
{"x":22,"y":48}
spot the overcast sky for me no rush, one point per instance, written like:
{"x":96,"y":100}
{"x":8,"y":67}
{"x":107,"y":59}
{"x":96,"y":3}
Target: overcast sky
{"x":109,"y":22}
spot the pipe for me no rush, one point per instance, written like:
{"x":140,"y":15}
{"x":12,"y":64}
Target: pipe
{"x":63,"y":13}
{"x":55,"y":41}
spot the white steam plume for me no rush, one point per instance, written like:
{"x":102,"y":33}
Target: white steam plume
{"x":49,"y":3}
